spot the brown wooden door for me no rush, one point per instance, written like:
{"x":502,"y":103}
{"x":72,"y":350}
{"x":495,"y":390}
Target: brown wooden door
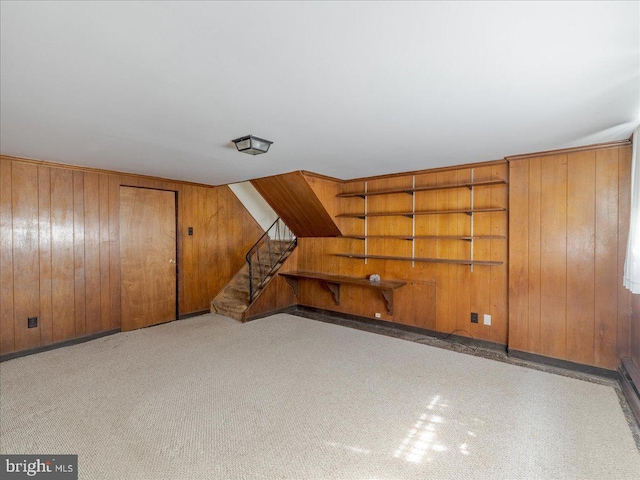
{"x":147,"y":256}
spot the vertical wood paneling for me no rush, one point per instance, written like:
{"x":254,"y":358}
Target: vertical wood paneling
{"x":437,"y":296}
{"x":44,"y":250}
{"x":518,"y":256}
{"x":498,"y":275}
{"x":66,"y":251}
{"x":7,"y":337}
{"x":114,"y":251}
{"x":62,"y":256}
{"x":463,"y":250}
{"x":553,"y":256}
{"x":534,"y":260}
{"x":577,"y":213}
{"x":78,"y":253}
{"x":606,"y":258}
{"x":581,"y":195}
{"x":481,"y":294}
{"x":624,"y":214}
{"x":105,"y":257}
{"x":26,"y":265}
{"x":92,"y":252}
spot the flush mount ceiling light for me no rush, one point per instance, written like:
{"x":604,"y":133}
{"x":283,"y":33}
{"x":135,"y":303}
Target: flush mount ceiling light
{"x":252,"y":145}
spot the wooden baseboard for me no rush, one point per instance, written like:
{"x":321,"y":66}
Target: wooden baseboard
{"x":182,"y":316}
{"x":565,"y":364}
{"x":471,"y":342}
{"x":52,"y":346}
{"x":630,"y":384}
{"x":289,"y":309}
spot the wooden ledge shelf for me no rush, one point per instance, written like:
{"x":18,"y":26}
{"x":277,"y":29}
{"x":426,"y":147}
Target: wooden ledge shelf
{"x":468,"y":211}
{"x":420,"y":259}
{"x":410,"y":190}
{"x":333,"y":282}
{"x":427,"y":237}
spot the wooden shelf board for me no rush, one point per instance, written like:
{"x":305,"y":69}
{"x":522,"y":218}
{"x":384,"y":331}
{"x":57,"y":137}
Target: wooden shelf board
{"x":468,"y":211}
{"x":427,"y":237}
{"x":423,"y":189}
{"x":419,"y":259}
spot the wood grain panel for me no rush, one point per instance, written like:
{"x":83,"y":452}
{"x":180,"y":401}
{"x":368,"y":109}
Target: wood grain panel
{"x":452,"y":291}
{"x":577,"y":212}
{"x":534,"y":245}
{"x":296,"y":203}
{"x":581,"y":195}
{"x":26,"y":265}
{"x":553,"y":256}
{"x":623,"y":346}
{"x":78,"y":252}
{"x":44,"y":253}
{"x":7,"y":338}
{"x":518,"y":256}
{"x":606,"y":259}
{"x":446,"y":274}
{"x":91,"y":197}
{"x":499,"y":275}
{"x":105,"y":253}
{"x":62,"y":256}
{"x":635,"y":330}
{"x":115,"y":305}
{"x":147,"y":249}
{"x":76,"y":212}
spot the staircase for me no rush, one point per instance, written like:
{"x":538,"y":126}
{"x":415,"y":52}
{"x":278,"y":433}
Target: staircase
{"x":263,"y":261}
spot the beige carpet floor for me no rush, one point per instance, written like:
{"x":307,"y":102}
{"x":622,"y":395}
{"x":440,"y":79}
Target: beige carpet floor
{"x":288,"y":397}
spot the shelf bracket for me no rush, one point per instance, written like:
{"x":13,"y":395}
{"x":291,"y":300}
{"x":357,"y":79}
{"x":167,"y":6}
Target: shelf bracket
{"x":334,"y":288}
{"x":293,"y":282}
{"x":388,"y":298}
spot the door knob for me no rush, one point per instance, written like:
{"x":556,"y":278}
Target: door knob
{"x":172,"y":261}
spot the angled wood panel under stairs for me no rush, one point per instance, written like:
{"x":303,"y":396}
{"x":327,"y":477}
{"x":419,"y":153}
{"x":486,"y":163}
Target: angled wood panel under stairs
{"x":295,"y":201}
{"x":233,"y":300}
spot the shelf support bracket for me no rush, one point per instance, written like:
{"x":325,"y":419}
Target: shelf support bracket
{"x":293,"y":282}
{"x":334,"y":288}
{"x":388,"y":297}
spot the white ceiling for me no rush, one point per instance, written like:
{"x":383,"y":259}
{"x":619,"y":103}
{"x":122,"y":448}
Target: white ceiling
{"x":346,"y":89}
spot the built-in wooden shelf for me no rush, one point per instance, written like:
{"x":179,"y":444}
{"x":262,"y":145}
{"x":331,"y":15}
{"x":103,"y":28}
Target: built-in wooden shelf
{"x":468,"y":211}
{"x":419,"y":259}
{"x":427,"y":237}
{"x":410,"y":190}
{"x":333,"y":282}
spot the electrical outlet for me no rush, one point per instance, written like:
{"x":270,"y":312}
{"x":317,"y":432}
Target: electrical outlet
{"x":32,"y":322}
{"x":474,"y":317}
{"x":378,"y":315}
{"x":487,"y":319}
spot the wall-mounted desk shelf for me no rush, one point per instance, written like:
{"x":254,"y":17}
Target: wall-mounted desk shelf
{"x":332,"y":283}
{"x":412,"y":190}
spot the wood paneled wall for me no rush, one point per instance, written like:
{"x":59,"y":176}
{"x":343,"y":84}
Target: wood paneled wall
{"x":458,"y":291}
{"x":569,"y":217}
{"x":59,"y":249}
{"x":635,"y":330}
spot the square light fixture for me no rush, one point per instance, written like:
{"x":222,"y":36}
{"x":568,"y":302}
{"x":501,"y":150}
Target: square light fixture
{"x":252,"y":145}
